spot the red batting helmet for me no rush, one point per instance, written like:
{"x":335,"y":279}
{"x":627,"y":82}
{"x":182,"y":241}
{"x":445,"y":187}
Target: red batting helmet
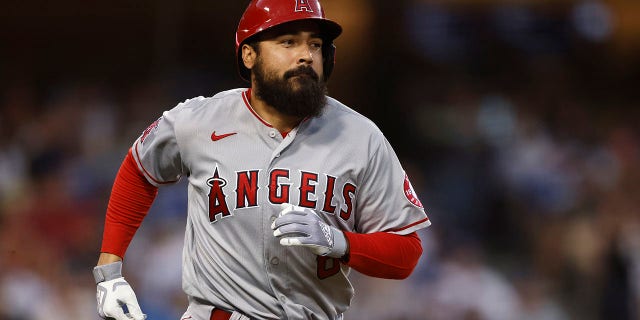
{"x":261,"y":15}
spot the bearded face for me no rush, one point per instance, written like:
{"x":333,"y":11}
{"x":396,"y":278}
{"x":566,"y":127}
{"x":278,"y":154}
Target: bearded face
{"x":299,"y":92}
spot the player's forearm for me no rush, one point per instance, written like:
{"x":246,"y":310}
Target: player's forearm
{"x":106,"y":258}
{"x":384,"y":255}
{"x":131,"y":197}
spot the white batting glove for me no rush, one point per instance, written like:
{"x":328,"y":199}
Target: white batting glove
{"x":298,"y":226}
{"x":116,"y":299}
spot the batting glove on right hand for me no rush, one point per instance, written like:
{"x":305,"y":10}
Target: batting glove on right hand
{"x":298,"y":226}
{"x":116,"y":299}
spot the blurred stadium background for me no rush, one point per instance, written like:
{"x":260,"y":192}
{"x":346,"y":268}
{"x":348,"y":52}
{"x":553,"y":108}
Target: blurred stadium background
{"x":517,"y":120}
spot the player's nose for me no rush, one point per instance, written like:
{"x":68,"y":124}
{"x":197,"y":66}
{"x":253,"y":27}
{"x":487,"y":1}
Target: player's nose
{"x":305,"y":54}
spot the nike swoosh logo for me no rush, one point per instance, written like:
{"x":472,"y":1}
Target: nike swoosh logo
{"x":216,"y":137}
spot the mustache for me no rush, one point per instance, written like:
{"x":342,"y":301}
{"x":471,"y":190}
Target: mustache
{"x":302,"y":71}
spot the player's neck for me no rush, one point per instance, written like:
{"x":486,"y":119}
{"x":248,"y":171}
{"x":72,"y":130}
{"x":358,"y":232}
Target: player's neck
{"x":282,"y":122}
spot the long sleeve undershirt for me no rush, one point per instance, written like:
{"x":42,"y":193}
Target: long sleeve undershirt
{"x":380,"y":254}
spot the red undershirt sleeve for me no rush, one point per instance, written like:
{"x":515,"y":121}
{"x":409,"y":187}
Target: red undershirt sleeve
{"x":131,"y":197}
{"x":383,"y":255}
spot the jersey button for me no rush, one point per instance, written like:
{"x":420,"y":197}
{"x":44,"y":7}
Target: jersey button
{"x":272,"y":134}
{"x":275,"y":261}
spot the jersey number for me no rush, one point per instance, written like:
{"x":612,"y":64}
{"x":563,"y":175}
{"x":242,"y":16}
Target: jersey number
{"x":327,"y":267}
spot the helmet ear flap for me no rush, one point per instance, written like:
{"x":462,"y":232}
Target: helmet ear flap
{"x":329,"y":55}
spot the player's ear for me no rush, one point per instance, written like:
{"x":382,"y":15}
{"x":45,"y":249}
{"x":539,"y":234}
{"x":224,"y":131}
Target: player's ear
{"x":249,"y":55}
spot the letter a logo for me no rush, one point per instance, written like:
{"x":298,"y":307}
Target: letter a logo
{"x":303,"y":5}
{"x":217,"y":202}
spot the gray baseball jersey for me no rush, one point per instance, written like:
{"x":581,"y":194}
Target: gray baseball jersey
{"x":240,"y":169}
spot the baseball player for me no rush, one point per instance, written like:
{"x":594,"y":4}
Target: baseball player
{"x":288,"y":188}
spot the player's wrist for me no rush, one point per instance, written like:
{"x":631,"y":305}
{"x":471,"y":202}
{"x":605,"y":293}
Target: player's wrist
{"x":347,"y":255}
{"x":340,"y":245}
{"x":107,"y":272}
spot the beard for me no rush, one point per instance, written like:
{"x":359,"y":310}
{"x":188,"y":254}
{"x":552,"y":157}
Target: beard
{"x":302,"y":96}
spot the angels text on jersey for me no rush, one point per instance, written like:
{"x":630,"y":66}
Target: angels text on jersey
{"x":279,"y":190}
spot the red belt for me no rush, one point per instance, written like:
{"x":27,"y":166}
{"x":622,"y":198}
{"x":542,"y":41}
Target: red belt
{"x":219,"y":314}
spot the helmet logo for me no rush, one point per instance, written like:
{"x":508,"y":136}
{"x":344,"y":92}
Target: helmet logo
{"x":303,"y":5}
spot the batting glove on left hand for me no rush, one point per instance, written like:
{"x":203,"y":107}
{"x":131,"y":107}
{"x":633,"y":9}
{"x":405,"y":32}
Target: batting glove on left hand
{"x":116,"y":299}
{"x":298,"y":226}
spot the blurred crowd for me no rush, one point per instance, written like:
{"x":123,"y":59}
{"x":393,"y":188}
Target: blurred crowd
{"x":521,"y":139}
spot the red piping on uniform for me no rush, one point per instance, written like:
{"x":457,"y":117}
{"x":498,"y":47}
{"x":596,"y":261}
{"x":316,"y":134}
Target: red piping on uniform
{"x":245,"y":97}
{"x":409,"y":226}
